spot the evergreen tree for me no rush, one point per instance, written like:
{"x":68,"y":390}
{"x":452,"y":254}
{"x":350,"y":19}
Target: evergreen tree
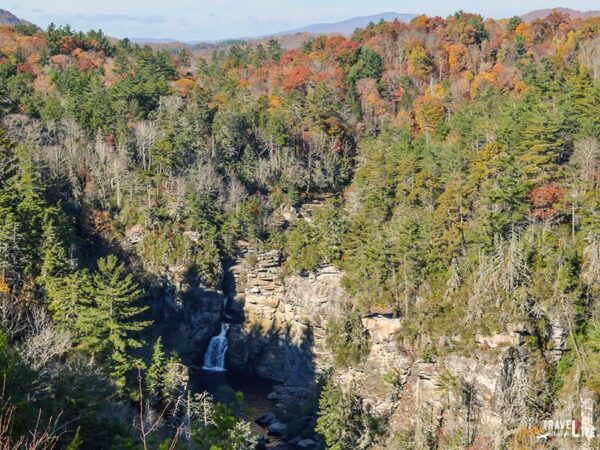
{"x":11,"y":233}
{"x":111,"y":315}
{"x":157,"y":371}
{"x":55,"y":262}
{"x":340,"y":420}
{"x":542,"y":146}
{"x":30,"y":208}
{"x":66,"y":298}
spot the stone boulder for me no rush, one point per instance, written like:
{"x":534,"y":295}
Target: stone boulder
{"x":266,"y":419}
{"x":307,"y":444}
{"x":277,"y":429}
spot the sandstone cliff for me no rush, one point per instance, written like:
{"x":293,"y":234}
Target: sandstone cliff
{"x":481,"y":396}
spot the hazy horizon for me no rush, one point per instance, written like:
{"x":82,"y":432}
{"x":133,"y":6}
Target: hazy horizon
{"x":211,"y":20}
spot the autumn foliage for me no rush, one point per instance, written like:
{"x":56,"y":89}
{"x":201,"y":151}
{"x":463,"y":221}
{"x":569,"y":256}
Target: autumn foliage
{"x":544,"y":200}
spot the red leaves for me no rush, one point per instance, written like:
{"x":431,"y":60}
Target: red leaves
{"x":296,"y":77}
{"x":69,"y":43}
{"x":544,"y":199}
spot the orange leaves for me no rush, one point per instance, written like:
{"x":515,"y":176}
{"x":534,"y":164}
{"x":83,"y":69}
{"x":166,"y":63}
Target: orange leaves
{"x":275,"y":102}
{"x":60,"y":61}
{"x":457,"y":58}
{"x":525,"y":32}
{"x":87,"y":60}
{"x":340,"y":49}
{"x":69,"y":43}
{"x":296,"y":78}
{"x":102,"y":222}
{"x":184,"y":86}
{"x":372,"y":102}
{"x":544,"y":199}
{"x":480,"y":81}
{"x":556,"y":19}
{"x":43,"y":84}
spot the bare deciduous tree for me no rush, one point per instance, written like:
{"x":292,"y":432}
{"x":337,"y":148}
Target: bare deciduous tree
{"x":586,"y":156}
{"x":146,"y":135}
{"x":43,"y":342}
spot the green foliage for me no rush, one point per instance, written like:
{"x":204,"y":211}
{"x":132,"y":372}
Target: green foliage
{"x":368,"y":65}
{"x":341,"y":421}
{"x":464,"y":203}
{"x":224,"y":432}
{"x":348,"y":339}
{"x":157,"y":371}
{"x":76,"y":442}
{"x":319,"y":242}
{"x":110,"y":315}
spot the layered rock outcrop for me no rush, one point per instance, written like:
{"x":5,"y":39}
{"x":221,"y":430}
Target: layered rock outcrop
{"x":478,"y":395}
{"x":282,"y":337}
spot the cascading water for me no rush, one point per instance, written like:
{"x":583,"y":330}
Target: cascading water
{"x":214,"y":359}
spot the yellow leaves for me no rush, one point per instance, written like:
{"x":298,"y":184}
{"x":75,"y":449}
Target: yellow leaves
{"x":437,"y":90}
{"x":4,"y":286}
{"x":484,"y":166}
{"x":429,"y":112}
{"x":419,"y":62}
{"x":522,"y":30}
{"x":565,"y":49}
{"x":275,"y":102}
{"x":218,"y":99}
{"x":482,"y":80}
{"x":420,"y":21}
{"x":526,"y":438}
{"x":333,"y":126}
{"x":521,"y":87}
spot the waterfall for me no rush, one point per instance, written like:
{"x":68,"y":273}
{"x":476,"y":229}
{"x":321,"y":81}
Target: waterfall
{"x":214,"y":359}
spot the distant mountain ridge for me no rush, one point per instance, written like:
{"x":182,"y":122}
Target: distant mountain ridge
{"x":575,"y":14}
{"x":347,"y":27}
{"x":8,"y":18}
{"x":344,"y":27}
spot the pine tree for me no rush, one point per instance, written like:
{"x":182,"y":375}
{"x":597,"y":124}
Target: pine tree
{"x":340,"y":418}
{"x":107,"y":322}
{"x":12,"y":241}
{"x":66,"y":298}
{"x":11,"y":233}
{"x":31,"y":206}
{"x":55,"y":262}
{"x":542,"y":146}
{"x":157,"y":370}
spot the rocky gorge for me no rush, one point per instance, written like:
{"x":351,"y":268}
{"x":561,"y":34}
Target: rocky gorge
{"x":278,"y":332}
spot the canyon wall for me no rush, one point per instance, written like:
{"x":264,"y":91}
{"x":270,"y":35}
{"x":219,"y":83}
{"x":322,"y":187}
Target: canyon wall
{"x":480,"y":395}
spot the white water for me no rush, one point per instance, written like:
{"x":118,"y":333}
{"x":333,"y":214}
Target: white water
{"x":215,"y":354}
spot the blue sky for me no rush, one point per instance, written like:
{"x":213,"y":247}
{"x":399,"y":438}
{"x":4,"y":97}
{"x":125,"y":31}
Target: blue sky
{"x":219,"y":19}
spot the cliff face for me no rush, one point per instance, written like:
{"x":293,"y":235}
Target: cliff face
{"x":187,"y":313}
{"x":283,"y":336}
{"x":480,"y":395}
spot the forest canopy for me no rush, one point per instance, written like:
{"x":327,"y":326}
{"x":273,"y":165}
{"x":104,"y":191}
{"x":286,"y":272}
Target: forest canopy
{"x":450,"y":167}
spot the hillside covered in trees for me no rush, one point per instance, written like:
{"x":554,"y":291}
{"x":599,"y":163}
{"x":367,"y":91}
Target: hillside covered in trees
{"x":452,"y":168}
